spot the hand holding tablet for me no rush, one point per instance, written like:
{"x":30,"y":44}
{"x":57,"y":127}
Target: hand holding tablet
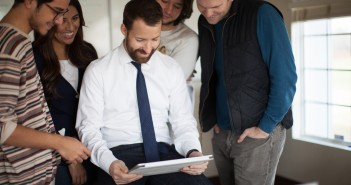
{"x":169,"y":166}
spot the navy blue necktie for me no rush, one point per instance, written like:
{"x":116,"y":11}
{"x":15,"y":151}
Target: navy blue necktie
{"x":147,"y":127}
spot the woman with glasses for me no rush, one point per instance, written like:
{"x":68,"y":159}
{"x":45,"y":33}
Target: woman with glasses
{"x":61,"y":58}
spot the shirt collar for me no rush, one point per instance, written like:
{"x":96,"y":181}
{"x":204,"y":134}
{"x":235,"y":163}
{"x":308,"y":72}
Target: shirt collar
{"x":123,"y":54}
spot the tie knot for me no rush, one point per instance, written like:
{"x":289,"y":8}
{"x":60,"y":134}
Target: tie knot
{"x":137,"y":65}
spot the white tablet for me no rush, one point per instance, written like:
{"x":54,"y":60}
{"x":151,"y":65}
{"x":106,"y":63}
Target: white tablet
{"x":170,"y":166}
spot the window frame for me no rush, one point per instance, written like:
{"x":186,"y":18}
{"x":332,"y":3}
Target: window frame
{"x":304,"y":11}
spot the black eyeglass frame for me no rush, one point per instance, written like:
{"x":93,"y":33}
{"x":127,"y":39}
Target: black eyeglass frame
{"x":58,"y":13}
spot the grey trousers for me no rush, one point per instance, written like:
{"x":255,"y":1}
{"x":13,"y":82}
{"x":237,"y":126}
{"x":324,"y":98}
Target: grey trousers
{"x":252,"y":162}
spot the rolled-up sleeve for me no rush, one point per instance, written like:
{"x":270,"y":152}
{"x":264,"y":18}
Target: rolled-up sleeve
{"x":10,"y":74}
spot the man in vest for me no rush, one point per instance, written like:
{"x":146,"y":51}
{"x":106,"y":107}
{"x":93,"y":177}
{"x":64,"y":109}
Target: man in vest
{"x":248,"y":85}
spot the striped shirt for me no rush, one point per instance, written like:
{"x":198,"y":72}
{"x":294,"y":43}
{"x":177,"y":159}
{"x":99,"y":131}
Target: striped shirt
{"x":22,"y":102}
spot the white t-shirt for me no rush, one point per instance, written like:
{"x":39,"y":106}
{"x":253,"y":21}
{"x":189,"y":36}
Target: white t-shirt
{"x":69,"y":73}
{"x":182,"y":44}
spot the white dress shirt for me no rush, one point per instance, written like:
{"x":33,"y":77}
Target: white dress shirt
{"x":108,"y":113}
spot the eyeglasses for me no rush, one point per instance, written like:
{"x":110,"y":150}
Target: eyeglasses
{"x":58,"y":13}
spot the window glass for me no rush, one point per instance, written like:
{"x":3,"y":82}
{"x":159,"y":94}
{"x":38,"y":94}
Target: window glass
{"x":340,"y":88}
{"x":316,"y":88}
{"x":316,"y":52}
{"x":316,"y":117}
{"x":341,"y":118}
{"x":339,"y":51}
{"x":340,"y":25}
{"x":322,"y":103}
{"x":316,"y":27}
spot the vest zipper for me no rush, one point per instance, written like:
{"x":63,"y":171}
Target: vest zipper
{"x":225,"y":84}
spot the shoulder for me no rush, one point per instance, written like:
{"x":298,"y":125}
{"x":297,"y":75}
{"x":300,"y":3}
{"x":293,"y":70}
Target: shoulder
{"x":165,"y":60}
{"x":167,"y":65}
{"x":187,"y":32}
{"x":160,"y":57}
{"x":105,"y":62}
{"x":90,"y":49}
{"x":269,"y":10}
{"x":13,"y":43}
{"x":88,"y":45}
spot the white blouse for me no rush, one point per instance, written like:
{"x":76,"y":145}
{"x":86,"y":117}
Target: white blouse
{"x":69,"y":73}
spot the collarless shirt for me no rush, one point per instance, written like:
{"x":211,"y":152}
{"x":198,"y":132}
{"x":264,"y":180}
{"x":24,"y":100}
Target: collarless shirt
{"x":108,"y":113}
{"x":182,"y":45}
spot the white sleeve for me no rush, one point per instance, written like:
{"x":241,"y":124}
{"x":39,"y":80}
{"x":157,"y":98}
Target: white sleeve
{"x":90,"y":118}
{"x":184,"y":127}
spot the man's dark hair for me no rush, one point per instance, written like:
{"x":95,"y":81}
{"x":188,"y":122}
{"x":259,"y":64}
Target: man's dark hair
{"x":40,"y":2}
{"x":147,"y":10}
{"x":187,"y":10}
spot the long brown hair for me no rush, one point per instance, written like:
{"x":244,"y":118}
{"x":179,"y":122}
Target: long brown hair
{"x":80,"y":53}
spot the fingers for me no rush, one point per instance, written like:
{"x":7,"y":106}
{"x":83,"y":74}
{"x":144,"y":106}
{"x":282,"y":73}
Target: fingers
{"x":243,"y":136}
{"x":127,"y":178}
{"x":75,"y":161}
{"x":119,"y":173}
{"x":78,"y":174}
{"x":216,"y":129}
{"x":253,"y":132}
{"x":195,"y":169}
{"x":83,"y":156}
{"x":87,"y":153}
{"x":72,"y":150}
{"x":79,"y":180}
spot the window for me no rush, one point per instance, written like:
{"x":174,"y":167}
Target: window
{"x":322,"y":48}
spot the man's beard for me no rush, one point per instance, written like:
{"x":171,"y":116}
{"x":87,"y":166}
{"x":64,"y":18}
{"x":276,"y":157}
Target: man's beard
{"x":133,"y":53}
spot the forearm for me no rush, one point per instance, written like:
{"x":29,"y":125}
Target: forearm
{"x":30,"y":138}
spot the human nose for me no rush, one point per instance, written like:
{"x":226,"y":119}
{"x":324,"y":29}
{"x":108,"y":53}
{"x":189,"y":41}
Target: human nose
{"x":58,"y":20}
{"x":69,"y":25}
{"x":207,"y":13}
{"x":168,"y":9}
{"x":148,"y":47}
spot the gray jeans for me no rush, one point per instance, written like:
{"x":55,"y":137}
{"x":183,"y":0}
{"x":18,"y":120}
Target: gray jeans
{"x":252,"y":162}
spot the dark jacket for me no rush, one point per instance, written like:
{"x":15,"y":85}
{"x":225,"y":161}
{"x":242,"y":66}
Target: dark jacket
{"x":245,"y":73}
